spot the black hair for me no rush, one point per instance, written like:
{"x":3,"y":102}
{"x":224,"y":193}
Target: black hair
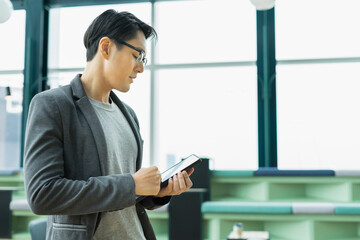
{"x":115,"y":25}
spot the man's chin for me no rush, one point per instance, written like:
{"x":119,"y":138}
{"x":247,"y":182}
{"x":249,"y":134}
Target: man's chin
{"x":123,"y":89}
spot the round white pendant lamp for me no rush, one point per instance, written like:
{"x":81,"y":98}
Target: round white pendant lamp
{"x":6,"y":9}
{"x":262,"y":5}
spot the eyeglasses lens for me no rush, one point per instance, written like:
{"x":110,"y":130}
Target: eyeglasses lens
{"x":141,"y":58}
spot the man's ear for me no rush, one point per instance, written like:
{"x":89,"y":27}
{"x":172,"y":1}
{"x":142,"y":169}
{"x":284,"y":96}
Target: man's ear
{"x":104,"y":47}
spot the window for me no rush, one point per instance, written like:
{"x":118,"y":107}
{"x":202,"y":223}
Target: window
{"x":317,"y":99}
{"x":11,"y":79}
{"x":66,"y":48}
{"x":307,"y":29}
{"x":205,"y":57}
{"x":67,"y":57}
{"x":318,"y":116}
{"x":181,"y":42}
{"x":206,"y":31}
{"x":210,"y":111}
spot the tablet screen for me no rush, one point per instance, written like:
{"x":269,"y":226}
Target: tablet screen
{"x":185,"y":164}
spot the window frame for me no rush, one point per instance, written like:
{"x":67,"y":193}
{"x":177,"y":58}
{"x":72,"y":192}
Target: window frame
{"x":266,"y":63}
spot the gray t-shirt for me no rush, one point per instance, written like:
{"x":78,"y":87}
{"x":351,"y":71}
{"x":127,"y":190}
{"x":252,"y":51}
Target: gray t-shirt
{"x":122,"y":152}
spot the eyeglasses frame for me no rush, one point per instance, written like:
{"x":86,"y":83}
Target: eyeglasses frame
{"x":141,"y":57}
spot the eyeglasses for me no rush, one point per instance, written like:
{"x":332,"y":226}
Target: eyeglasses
{"x":141,"y":57}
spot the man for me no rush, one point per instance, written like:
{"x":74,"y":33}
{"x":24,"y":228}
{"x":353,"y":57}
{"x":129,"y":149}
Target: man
{"x":83,"y":148}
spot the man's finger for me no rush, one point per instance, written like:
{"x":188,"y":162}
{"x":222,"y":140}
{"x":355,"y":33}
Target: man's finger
{"x":187,"y":180}
{"x":190,"y":171}
{"x":181,"y":181}
{"x":170,"y":185}
{"x":176,"y":184}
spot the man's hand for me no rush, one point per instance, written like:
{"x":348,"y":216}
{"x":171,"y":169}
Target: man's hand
{"x":147,"y":181}
{"x":177,"y":184}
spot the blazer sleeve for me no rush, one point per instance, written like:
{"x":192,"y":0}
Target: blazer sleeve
{"x":48,"y":191}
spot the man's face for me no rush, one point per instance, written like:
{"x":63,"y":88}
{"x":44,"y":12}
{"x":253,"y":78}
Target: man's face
{"x":121,"y":68}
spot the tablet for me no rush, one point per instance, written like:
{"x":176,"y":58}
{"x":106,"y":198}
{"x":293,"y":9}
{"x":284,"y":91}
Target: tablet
{"x":184,"y":165}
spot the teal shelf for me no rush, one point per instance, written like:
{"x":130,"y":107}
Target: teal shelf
{"x":219,"y":173}
{"x":229,"y":187}
{"x":242,"y":186}
{"x":159,"y":220}
{"x":289,"y":227}
{"x":317,"y":189}
{"x":22,"y":236}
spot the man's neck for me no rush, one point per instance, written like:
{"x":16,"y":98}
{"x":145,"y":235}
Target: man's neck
{"x":94,"y":83}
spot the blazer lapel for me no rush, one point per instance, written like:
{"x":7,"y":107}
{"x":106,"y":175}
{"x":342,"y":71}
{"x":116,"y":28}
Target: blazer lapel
{"x":83,"y":103}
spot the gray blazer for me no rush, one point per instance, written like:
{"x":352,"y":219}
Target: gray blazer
{"x":64,"y":168}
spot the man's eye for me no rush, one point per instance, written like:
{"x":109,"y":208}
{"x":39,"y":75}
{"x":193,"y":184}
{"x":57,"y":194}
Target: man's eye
{"x":135,"y":57}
